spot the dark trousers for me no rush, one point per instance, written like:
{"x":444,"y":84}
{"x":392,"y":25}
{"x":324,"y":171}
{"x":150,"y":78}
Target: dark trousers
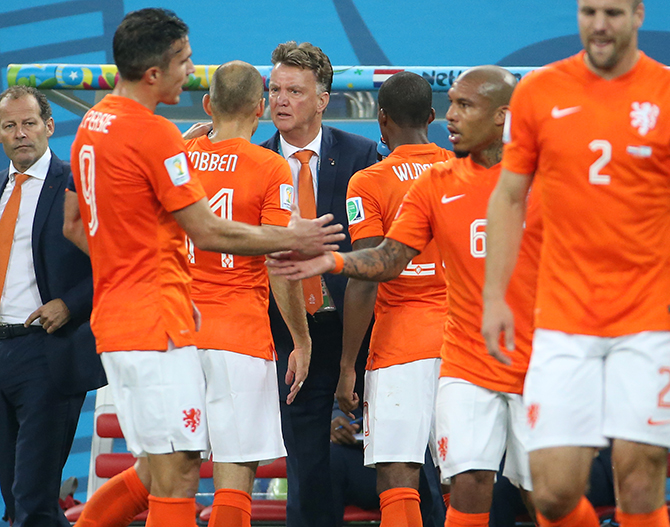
{"x":306,"y":422}
{"x":37,"y":427}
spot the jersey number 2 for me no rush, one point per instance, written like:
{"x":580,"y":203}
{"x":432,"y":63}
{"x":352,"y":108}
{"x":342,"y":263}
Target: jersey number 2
{"x":605,"y":148}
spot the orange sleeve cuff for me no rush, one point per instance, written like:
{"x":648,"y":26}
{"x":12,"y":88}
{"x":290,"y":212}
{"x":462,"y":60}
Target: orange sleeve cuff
{"x":339,"y":263}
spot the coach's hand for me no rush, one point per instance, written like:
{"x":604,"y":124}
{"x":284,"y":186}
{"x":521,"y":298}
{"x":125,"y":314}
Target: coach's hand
{"x":52,"y":315}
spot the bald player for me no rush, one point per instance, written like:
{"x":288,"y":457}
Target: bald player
{"x":248,"y":183}
{"x":479,"y":409}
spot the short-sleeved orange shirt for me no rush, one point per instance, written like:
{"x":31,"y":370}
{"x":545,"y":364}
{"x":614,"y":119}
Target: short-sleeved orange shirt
{"x":251,"y":184}
{"x":131,"y":172}
{"x":410,"y":310}
{"x":448,"y":203}
{"x":601,"y":152}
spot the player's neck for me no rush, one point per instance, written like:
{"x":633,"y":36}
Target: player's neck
{"x":224,"y":129}
{"x":627,"y":63}
{"x":137,"y":92}
{"x":408,"y":136}
{"x":489,"y":156}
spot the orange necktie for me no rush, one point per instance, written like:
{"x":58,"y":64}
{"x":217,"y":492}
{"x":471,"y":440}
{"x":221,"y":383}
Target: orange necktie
{"x":7,"y":226}
{"x":311,"y":287}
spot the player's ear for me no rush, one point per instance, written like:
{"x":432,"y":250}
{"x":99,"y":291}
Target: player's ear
{"x":431,"y":118}
{"x":260,"y":108}
{"x":152,"y":75}
{"x":207,"y":104}
{"x":499,"y":117}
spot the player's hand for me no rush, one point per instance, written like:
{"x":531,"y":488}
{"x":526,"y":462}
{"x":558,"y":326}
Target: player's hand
{"x":197,"y":130}
{"x":293,"y":265}
{"x":347,"y":398}
{"x":298,"y":367}
{"x":52,"y":315}
{"x":315,"y":236}
{"x":341,"y":432}
{"x":197,"y":316}
{"x":497,"y":319}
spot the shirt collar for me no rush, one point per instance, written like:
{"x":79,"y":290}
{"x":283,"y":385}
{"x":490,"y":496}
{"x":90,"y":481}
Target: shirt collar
{"x":288,"y":149}
{"x":38,"y":170}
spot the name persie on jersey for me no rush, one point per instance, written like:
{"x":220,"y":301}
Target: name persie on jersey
{"x":97,"y":121}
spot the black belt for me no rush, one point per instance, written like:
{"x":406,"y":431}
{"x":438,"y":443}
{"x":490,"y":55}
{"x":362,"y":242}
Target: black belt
{"x":9,"y":331}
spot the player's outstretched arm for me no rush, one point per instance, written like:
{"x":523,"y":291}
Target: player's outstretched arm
{"x":73,"y":226}
{"x":380,"y":264}
{"x":504,"y":229}
{"x":359,"y":304}
{"x":291,"y":304}
{"x":211,"y":233}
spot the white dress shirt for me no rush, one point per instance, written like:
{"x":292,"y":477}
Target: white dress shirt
{"x":20,"y":296}
{"x":287,"y":150}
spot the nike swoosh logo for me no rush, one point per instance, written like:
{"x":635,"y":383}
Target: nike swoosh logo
{"x":557,"y":112}
{"x":653,"y":422}
{"x":446,"y":199}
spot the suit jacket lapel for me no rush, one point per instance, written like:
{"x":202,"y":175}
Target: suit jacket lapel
{"x":51,"y":190}
{"x":327,"y":172}
{"x":4,"y":178}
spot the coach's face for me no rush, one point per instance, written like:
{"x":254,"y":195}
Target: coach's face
{"x":175,"y":76}
{"x":24,"y":135}
{"x":296,"y":103}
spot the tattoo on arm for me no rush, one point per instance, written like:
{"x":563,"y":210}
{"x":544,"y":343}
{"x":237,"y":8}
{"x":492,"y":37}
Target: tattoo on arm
{"x":379,"y":264}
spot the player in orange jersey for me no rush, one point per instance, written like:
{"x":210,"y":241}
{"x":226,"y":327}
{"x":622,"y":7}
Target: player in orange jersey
{"x":594,"y":130}
{"x":479,"y":410}
{"x":409,"y":310}
{"x":136,"y":198}
{"x":247,"y":183}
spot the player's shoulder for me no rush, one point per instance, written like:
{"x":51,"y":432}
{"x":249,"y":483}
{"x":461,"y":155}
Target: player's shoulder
{"x":263,"y":154}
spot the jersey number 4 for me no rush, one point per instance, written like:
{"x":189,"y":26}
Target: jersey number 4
{"x":222,"y":203}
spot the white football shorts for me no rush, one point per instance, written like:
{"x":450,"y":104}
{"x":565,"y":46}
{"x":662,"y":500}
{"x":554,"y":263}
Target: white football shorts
{"x":159,"y":398}
{"x":399,"y":412}
{"x":475,"y":426}
{"x":582,"y":389}
{"x":242,"y":407}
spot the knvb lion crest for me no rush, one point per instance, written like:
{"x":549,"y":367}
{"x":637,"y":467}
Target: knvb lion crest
{"x":643,"y":116}
{"x":533,"y":414}
{"x":442,"y":447}
{"x":192,"y":419}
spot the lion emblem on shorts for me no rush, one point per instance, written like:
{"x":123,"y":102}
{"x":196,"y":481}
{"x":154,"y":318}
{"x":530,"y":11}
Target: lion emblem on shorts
{"x":192,"y":419}
{"x":442,"y":447}
{"x":533,"y":414}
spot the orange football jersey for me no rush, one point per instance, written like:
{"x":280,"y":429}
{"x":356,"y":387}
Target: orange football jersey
{"x":601,"y":152}
{"x":251,"y":184}
{"x":448,"y":204}
{"x":131,"y":172}
{"x":410,"y":310}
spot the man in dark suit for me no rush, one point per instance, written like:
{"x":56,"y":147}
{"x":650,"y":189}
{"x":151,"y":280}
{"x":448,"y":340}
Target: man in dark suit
{"x":299,"y":87}
{"x":47,"y":351}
